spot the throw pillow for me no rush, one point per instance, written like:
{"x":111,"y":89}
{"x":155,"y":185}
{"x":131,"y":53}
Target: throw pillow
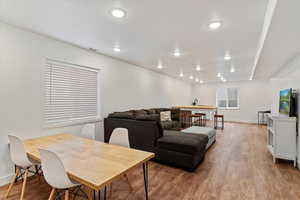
{"x":165,"y":116}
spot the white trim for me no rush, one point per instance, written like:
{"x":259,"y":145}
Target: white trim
{"x":4,"y":180}
{"x":230,"y":108}
{"x":60,"y":62}
{"x":266,"y":26}
{"x":72,"y":123}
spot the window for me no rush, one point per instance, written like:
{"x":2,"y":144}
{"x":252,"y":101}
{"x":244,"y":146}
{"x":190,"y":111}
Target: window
{"x":71,"y":94}
{"x":228,"y":98}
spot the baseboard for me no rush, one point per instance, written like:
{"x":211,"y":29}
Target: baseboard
{"x":5,"y":180}
{"x":241,"y":122}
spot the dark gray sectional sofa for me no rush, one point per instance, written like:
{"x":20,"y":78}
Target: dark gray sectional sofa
{"x":148,"y":133}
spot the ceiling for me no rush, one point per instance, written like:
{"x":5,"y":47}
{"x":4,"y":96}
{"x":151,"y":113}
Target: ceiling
{"x":281,"y":52}
{"x":152,"y":30}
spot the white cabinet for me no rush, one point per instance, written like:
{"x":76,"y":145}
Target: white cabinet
{"x":282,"y":137}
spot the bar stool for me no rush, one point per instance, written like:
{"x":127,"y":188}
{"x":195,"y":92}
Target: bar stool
{"x":216,"y":120}
{"x":202,"y":119}
{"x":196,"y":120}
{"x":185,"y":118}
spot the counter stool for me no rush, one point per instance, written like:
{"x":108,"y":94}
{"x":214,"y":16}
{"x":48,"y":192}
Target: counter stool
{"x":202,"y":119}
{"x":195,"y":120}
{"x":199,"y":119}
{"x":216,"y":120}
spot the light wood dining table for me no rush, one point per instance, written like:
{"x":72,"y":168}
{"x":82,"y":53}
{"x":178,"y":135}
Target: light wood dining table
{"x":89,"y":162}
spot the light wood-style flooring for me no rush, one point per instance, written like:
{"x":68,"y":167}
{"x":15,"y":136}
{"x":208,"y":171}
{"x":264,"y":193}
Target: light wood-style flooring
{"x":236,"y":167}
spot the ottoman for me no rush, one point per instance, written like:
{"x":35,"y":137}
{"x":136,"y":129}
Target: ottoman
{"x":210,"y":132}
{"x":183,"y":150}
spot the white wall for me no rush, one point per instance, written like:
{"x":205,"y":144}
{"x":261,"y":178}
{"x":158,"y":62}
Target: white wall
{"x":123,"y":86}
{"x":254,"y":96}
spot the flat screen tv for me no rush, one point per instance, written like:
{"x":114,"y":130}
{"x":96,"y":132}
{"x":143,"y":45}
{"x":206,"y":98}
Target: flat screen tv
{"x":285,"y":102}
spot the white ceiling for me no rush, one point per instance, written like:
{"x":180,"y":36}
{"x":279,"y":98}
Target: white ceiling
{"x":152,"y":30}
{"x":281,"y":53}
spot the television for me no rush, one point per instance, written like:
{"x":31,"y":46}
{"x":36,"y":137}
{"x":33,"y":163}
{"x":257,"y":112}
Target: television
{"x":286,"y":103}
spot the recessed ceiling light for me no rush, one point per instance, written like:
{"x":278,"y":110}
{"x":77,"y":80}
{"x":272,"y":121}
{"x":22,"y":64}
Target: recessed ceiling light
{"x":232,"y":70}
{"x":215,"y":25}
{"x":181,"y":74}
{"x":197,"y":80}
{"x":159,"y":66}
{"x":198,"y":68}
{"x":191,"y":77}
{"x":118,"y":13}
{"x":224,"y":80}
{"x":227,"y":57}
{"x":116,"y":49}
{"x":176,"y":53}
{"x":201,"y":81}
{"x":219,"y":75}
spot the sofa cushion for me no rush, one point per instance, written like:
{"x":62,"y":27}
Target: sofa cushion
{"x":152,"y":111}
{"x":182,"y":142}
{"x":124,"y":115}
{"x":175,"y":114}
{"x":159,"y":110}
{"x":140,"y":112}
{"x":210,"y":132}
{"x":170,"y":125}
{"x":151,"y":117}
{"x":165,"y":116}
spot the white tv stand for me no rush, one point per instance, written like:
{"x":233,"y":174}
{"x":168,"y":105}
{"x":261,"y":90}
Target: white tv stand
{"x":282,"y":137}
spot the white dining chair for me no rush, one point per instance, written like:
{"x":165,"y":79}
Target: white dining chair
{"x":120,"y":137}
{"x":22,"y":163}
{"x":88,"y":131}
{"x":55,"y":173}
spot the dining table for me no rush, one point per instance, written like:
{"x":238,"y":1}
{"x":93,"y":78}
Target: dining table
{"x":91,"y":163}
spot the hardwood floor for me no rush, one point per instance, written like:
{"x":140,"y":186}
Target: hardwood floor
{"x":236,"y":167}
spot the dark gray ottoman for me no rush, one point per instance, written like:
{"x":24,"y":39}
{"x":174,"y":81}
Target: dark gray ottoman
{"x":184,"y":150}
{"x":210,"y":132}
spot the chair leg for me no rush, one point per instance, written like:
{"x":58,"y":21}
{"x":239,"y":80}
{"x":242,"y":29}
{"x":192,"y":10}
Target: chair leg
{"x":222,"y":123}
{"x":52,"y":194}
{"x":12,"y":182}
{"x":111,"y":189}
{"x":90,"y":194}
{"x":67,"y":195}
{"x":130,"y":186}
{"x":24,"y":184}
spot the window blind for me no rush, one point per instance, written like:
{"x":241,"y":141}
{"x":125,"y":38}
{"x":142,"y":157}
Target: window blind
{"x":227,"y":98}
{"x":71,"y":93}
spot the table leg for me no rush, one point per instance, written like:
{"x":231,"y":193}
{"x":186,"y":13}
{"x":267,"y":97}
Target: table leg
{"x":145,"y":171}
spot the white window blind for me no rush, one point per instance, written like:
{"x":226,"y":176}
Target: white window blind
{"x":71,"y":93}
{"x":227,"y":98}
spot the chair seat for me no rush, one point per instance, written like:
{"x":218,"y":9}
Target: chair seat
{"x":219,"y":116}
